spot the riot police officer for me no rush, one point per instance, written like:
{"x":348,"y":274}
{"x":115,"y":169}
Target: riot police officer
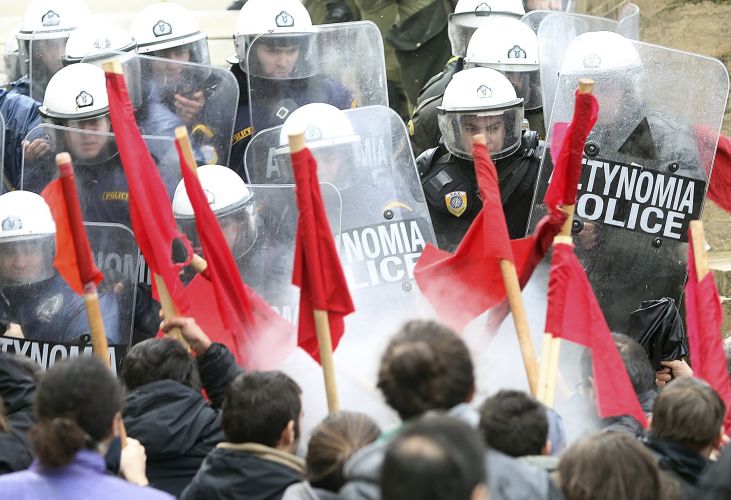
{"x":95,"y":40}
{"x":275,"y":50}
{"x":32,"y":294}
{"x":479,"y":101}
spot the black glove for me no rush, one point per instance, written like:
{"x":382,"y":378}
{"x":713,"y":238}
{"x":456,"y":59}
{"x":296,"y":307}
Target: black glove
{"x":338,"y":11}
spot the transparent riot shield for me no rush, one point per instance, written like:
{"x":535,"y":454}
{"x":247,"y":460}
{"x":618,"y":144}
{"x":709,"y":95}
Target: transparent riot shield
{"x":44,"y":319}
{"x":45,"y":56}
{"x":6,"y":183}
{"x":385,"y":222}
{"x":338,"y":64}
{"x":100,"y":179}
{"x":170,"y":93}
{"x":557,"y":30}
{"x":646,"y":167}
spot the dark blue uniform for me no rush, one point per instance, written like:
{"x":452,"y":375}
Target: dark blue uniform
{"x":20,"y":114}
{"x":289,"y":94}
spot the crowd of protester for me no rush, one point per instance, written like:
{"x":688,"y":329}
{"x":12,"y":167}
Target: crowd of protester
{"x":197,"y":426}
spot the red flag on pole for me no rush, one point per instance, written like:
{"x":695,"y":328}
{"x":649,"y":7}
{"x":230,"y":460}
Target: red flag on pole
{"x":463,"y":285}
{"x":150,"y":210}
{"x":75,"y":273}
{"x":703,"y":316}
{"x":574,"y":314}
{"x":317,"y":270}
{"x":253,"y":331}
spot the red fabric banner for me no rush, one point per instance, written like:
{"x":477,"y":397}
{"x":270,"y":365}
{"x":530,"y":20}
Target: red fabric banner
{"x":317,"y":270}
{"x":573,"y":314}
{"x":151,"y":212}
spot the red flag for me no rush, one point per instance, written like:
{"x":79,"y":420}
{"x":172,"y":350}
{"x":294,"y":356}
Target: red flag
{"x":567,"y":169}
{"x":150,"y":210}
{"x":720,"y":185}
{"x":317,"y":270}
{"x":65,"y":259}
{"x":574,"y":314}
{"x":253,"y":331}
{"x":703,"y":316}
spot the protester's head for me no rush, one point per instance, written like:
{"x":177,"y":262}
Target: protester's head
{"x":609,"y":466}
{"x":635,"y":361}
{"x":77,"y":405}
{"x":27,"y":238}
{"x":153,"y":360}
{"x":425,"y":367}
{"x":690,"y":413}
{"x":264,"y":408}
{"x":437,"y":457}
{"x":514,"y":423}
{"x":333,"y":442}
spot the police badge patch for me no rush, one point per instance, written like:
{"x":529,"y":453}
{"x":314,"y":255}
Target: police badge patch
{"x":313,"y":133}
{"x":483,"y":10}
{"x":12,"y":223}
{"x":592,"y":61}
{"x":47,"y":309}
{"x":102,"y":43}
{"x":162,"y":28}
{"x":84,"y":99}
{"x":284,"y":20}
{"x":456,"y":202}
{"x":517,"y":52}
{"x":484,"y":92}
{"x":50,"y":18}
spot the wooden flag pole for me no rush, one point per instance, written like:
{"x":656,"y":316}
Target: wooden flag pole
{"x":517,"y":308}
{"x":100,"y":346}
{"x":322,"y":323}
{"x":699,"y":249}
{"x":551,"y":351}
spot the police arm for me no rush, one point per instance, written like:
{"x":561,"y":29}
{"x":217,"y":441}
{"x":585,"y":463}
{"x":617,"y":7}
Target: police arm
{"x":322,"y":325}
{"x":85,"y":262}
{"x":551,"y":350}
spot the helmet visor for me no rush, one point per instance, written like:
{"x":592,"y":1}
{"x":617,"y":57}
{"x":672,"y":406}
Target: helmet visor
{"x":460,"y":33}
{"x":501,"y":128}
{"x":46,"y":59}
{"x":195,"y":52}
{"x":238,"y":226}
{"x":26,"y":259}
{"x":280,"y":56}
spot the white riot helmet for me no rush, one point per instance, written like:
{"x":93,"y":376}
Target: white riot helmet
{"x":77,"y":92}
{"x":45,"y":27}
{"x":510,"y":47}
{"x":330,"y":137}
{"x":470,"y":14}
{"x":275,"y":25}
{"x":26,"y":227}
{"x":229,"y":198}
{"x":481,"y":101}
{"x":163,"y":28}
{"x":97,"y":39}
{"x":600,"y":52}
{"x":12,"y":57}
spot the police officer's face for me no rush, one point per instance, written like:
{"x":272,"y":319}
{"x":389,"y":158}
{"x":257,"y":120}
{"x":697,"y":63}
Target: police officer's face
{"x":277,"y":61}
{"x":87,"y":146}
{"x":50,"y":54}
{"x":22,"y":261}
{"x":543,"y":5}
{"x":166,"y":70}
{"x":492,"y":127}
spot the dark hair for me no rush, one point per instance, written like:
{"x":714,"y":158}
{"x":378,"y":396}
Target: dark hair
{"x":258,"y":406}
{"x":425,"y":367}
{"x":75,"y":404}
{"x":159,"y":359}
{"x":437,"y":457}
{"x":635,"y":360}
{"x":608,"y":466}
{"x":688,"y":412}
{"x":333,"y":442}
{"x":514,"y":423}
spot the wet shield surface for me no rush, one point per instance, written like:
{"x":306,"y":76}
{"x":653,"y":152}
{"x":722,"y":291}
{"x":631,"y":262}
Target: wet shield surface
{"x":168,"y":94}
{"x":45,"y":320}
{"x":557,"y":30}
{"x":338,"y":64}
{"x":100,"y":179}
{"x":646,"y":167}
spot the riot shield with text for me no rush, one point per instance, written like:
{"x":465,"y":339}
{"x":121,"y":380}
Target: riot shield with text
{"x":173,"y":93}
{"x":385,"y":222}
{"x":557,"y":30}
{"x":44,"y":319}
{"x":100,"y":178}
{"x":338,"y":64}
{"x":646,"y":166}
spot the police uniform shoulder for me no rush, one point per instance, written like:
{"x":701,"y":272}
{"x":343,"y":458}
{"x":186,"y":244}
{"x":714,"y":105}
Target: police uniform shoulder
{"x":427,"y":159}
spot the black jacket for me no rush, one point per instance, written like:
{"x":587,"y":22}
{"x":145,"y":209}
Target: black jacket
{"x":682,"y":464}
{"x":177,"y":426}
{"x":232,"y":471}
{"x":17,"y":389}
